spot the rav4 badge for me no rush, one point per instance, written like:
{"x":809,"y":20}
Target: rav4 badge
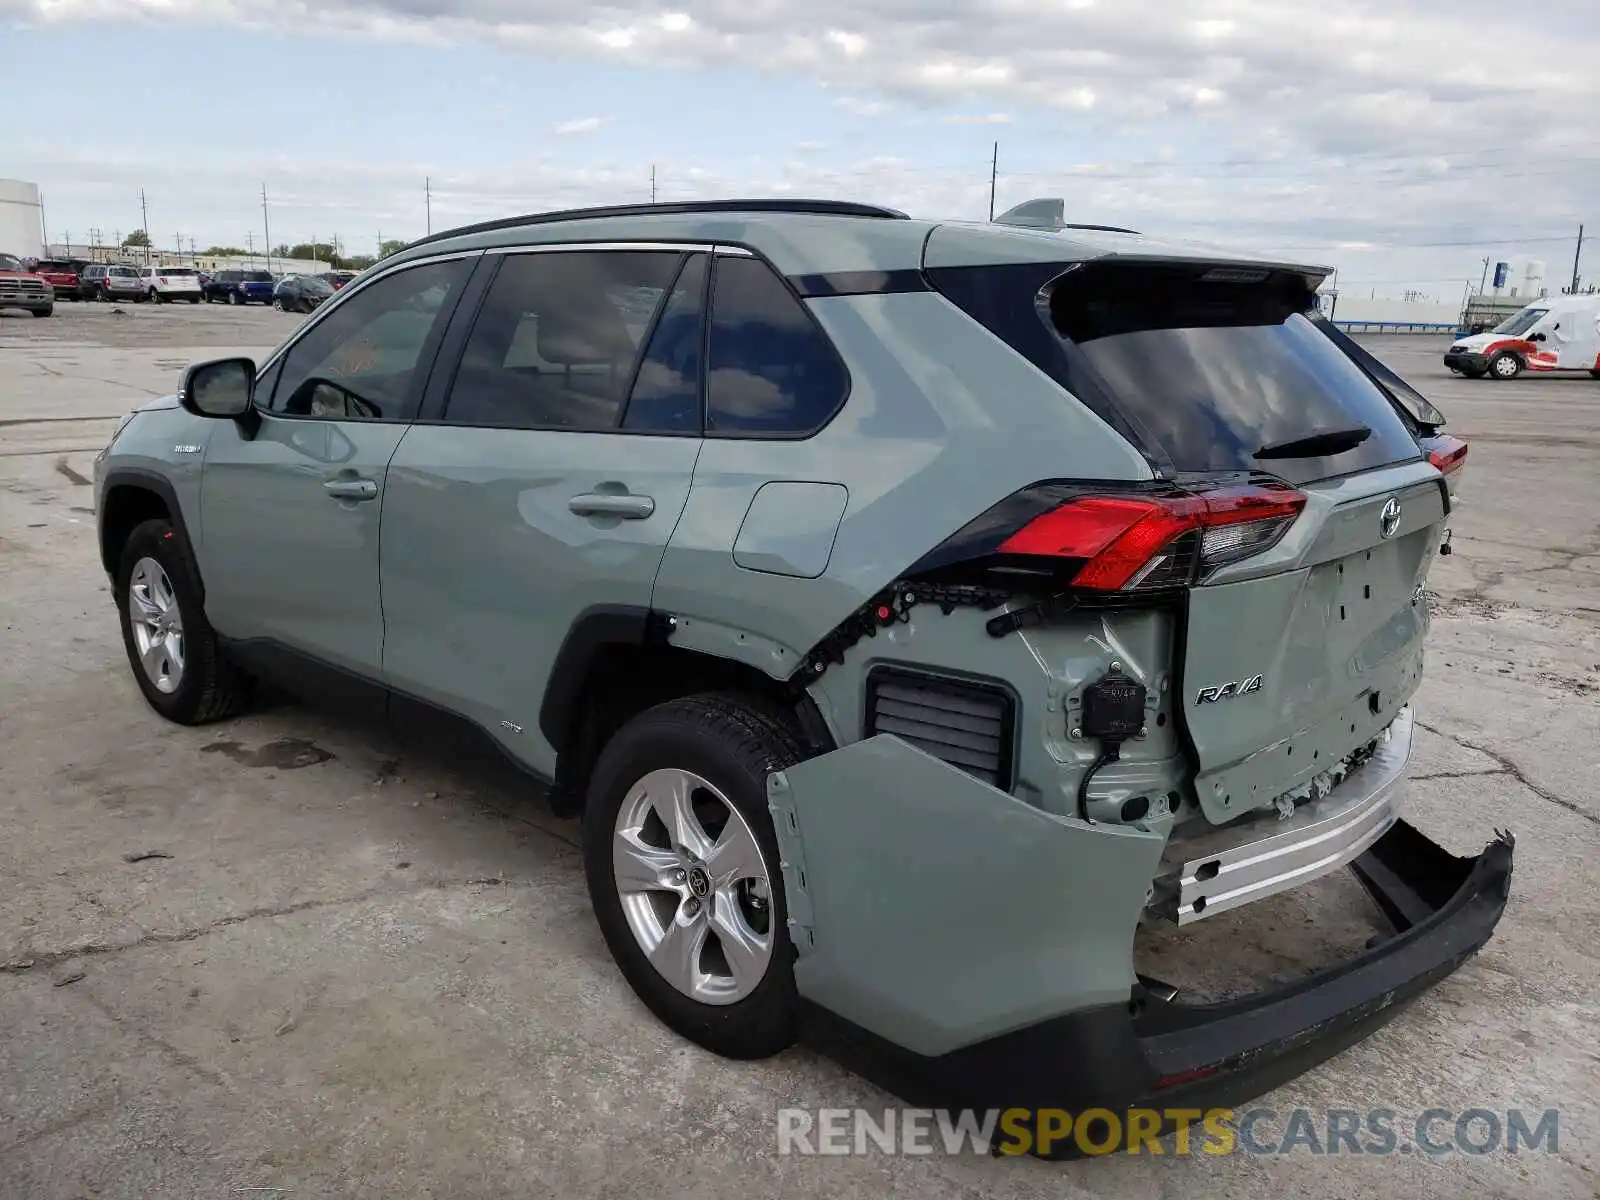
{"x":1227,"y":691}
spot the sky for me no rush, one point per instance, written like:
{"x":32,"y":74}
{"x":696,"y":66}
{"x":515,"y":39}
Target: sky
{"x":1400,"y":141}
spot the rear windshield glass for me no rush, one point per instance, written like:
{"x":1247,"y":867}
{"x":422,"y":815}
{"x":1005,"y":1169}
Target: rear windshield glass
{"x":50,"y":264}
{"x":171,"y":272}
{"x":258,"y":277}
{"x":1203,"y":367}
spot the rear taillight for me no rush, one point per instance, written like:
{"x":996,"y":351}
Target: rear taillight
{"x":1130,"y":542}
{"x":1448,"y":454}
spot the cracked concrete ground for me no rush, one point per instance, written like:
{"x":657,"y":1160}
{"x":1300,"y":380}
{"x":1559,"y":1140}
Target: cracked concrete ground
{"x":360,"y":968}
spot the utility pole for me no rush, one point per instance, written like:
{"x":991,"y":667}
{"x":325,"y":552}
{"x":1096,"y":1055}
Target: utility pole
{"x":1577,"y":254}
{"x":427,"y":194}
{"x":266,"y":226}
{"x":44,"y":227}
{"x":994,"y":174}
{"x":652,"y":183}
{"x":1483,"y":281}
{"x":144,"y":215}
{"x":250,"y":245}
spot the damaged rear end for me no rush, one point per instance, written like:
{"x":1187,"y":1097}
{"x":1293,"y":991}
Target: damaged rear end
{"x":1099,"y":703}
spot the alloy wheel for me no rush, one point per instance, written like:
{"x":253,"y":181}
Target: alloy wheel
{"x":157,"y":625}
{"x":694,"y":885}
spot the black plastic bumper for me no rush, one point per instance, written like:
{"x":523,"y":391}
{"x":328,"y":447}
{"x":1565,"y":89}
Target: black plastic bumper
{"x":1152,"y":1054}
{"x":1466,"y":362}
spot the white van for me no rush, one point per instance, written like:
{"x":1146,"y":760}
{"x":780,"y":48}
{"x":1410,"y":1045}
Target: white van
{"x":1559,"y":333}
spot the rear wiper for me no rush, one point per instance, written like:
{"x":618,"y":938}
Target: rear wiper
{"x":1316,"y":445}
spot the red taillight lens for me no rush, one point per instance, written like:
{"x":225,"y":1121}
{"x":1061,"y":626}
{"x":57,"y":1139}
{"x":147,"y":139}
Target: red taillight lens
{"x":1447,"y":453}
{"x":1130,"y":542}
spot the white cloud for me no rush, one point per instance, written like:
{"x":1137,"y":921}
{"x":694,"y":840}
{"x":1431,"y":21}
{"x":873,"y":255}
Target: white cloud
{"x":997,"y":118}
{"x":579,"y":125}
{"x":1358,"y":123}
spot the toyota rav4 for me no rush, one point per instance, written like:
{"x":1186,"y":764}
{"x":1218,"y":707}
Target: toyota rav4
{"x":910,"y":609}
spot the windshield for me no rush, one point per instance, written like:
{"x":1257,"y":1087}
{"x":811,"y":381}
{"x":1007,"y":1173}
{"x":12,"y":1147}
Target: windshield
{"x":126,"y":271}
{"x":10,"y":262}
{"x":1203,"y":366}
{"x":258,"y":277}
{"x":1520,"y":322}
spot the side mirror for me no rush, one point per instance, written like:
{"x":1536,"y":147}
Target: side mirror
{"x":223,"y":387}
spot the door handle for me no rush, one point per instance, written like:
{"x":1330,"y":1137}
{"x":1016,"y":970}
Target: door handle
{"x":351,"y":489}
{"x":599,"y":504}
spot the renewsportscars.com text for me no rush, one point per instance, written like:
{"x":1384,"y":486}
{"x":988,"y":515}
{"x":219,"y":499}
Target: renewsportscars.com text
{"x":1217,"y":1131}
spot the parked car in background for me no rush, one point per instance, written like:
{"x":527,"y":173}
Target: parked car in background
{"x":111,"y":281}
{"x":61,"y":274}
{"x":239,"y":287}
{"x":301,"y":293}
{"x":337,"y":279}
{"x":912,"y":610}
{"x":171,"y":283}
{"x":21,"y":288}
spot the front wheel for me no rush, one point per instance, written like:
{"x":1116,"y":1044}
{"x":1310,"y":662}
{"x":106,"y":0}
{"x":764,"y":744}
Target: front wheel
{"x":277,"y":305}
{"x":156,"y":297}
{"x":172,"y":648}
{"x":1505,"y":365}
{"x":682,"y":866}
{"x":45,"y":312}
{"x":194,"y":299}
{"x":233,"y":297}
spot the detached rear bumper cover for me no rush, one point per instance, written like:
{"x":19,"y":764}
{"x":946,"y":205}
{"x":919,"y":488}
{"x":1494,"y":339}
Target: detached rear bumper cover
{"x":898,"y":1019}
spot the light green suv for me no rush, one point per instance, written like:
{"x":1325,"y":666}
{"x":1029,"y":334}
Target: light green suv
{"x":911,"y":609}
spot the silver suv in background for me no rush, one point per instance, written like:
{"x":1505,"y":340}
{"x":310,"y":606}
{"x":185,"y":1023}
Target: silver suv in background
{"x":112,"y":281}
{"x":910,"y":609}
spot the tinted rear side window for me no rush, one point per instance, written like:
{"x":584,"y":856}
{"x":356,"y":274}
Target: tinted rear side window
{"x":772,"y":371}
{"x":1202,"y":373}
{"x":666,"y":393}
{"x":555,"y":342}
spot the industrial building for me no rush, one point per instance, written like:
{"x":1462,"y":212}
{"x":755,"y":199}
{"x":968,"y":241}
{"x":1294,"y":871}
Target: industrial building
{"x":21,"y":219}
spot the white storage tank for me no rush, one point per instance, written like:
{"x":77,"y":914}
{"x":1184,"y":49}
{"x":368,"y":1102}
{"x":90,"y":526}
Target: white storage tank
{"x":1533,"y":280}
{"x":21,"y":219}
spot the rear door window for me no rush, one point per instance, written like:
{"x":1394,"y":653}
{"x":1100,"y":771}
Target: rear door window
{"x":772,"y":372}
{"x":556,"y":341}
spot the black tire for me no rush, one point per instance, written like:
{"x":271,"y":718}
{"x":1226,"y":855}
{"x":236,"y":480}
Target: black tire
{"x":1594,"y":374}
{"x":206,"y":297}
{"x":156,"y":297}
{"x":278,"y":304}
{"x":45,"y":312}
{"x":194,"y":299}
{"x":233,"y":297}
{"x":1505,"y":366}
{"x":210,"y":688}
{"x":733,"y":742}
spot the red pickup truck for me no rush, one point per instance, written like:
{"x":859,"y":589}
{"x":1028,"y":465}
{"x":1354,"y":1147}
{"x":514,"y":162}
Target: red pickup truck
{"x":20,"y":288}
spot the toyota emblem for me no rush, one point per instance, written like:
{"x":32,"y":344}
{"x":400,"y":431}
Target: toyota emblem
{"x":1389,"y":518}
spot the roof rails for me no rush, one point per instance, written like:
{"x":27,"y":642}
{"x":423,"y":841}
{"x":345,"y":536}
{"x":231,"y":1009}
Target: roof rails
{"x":1050,"y":215}
{"x":830,"y":208}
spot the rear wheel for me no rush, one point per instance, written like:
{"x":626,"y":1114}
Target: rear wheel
{"x":1505,"y":365}
{"x":682,"y":866}
{"x":277,"y":303}
{"x":172,"y":648}
{"x":233,"y":297}
{"x":194,"y":299}
{"x":156,"y":297}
